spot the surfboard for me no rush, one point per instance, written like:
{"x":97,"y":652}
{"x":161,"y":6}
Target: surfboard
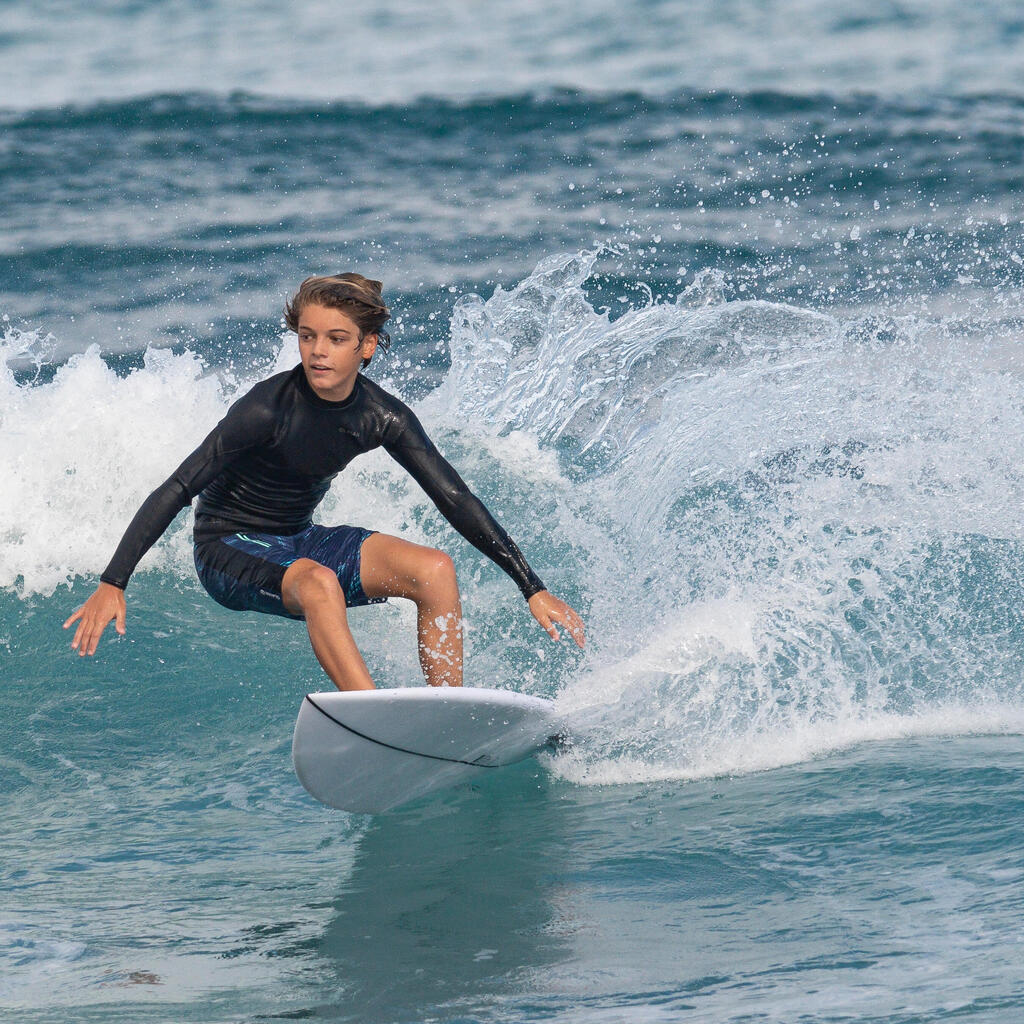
{"x":371,"y":750}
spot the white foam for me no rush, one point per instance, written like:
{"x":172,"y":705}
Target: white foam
{"x":30,"y":963}
{"x":794,"y":529}
{"x":740,"y":755}
{"x":82,"y":451}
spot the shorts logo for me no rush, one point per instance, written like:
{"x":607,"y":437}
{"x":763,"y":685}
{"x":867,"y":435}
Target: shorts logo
{"x":252,"y":540}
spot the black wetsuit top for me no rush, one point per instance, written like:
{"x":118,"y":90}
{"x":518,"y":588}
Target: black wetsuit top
{"x":267,"y":465}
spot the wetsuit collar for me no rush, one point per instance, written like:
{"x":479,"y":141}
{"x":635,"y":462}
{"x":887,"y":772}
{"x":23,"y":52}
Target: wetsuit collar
{"x":313,"y":398}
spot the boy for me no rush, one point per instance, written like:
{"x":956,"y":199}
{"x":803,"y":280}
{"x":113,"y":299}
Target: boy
{"x":267,"y":465}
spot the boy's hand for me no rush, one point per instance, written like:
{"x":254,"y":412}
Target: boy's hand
{"x":105,"y":604}
{"x":548,"y":609}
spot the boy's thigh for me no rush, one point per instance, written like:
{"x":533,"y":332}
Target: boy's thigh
{"x":341,"y":548}
{"x":392,"y":567}
{"x":243,"y":572}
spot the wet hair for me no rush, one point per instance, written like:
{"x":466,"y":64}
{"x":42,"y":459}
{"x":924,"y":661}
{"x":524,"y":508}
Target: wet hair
{"x":352,"y":294}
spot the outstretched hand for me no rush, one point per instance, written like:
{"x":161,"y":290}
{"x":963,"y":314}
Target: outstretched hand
{"x":548,"y":609}
{"x":105,"y":604}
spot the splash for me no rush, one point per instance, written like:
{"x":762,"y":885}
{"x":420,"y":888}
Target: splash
{"x":788,"y":532}
{"x":798,"y":532}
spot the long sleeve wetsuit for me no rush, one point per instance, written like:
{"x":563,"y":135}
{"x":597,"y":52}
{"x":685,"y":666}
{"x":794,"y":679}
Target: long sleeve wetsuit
{"x":267,"y":465}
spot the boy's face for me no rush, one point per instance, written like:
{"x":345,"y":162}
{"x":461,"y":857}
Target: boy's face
{"x":331,"y":351}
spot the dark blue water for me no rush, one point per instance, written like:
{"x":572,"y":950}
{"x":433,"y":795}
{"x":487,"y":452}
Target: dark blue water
{"x":175,"y":218}
{"x":718,"y":307}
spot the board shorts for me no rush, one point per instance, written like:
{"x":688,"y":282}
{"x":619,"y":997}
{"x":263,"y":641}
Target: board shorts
{"x":243,"y":571}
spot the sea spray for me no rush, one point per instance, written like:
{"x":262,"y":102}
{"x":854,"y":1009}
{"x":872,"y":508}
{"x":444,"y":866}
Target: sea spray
{"x":797,"y":532}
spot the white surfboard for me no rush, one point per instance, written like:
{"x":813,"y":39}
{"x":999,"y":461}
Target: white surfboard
{"x":371,"y":750}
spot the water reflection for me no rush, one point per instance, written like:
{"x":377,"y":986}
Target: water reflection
{"x":456,"y":901}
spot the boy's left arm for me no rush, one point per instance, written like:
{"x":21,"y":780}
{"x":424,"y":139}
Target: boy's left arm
{"x":416,"y":453}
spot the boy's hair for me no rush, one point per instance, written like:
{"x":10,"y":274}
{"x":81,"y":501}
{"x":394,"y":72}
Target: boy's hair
{"x":355,"y":295}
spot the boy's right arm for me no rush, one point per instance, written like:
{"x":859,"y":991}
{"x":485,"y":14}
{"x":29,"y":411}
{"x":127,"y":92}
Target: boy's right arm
{"x":105,"y":604}
{"x":248,"y":422}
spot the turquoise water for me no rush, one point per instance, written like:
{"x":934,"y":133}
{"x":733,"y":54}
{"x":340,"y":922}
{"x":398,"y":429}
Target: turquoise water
{"x":718,"y":307}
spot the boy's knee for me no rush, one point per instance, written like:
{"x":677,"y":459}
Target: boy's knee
{"x":307,"y":581}
{"x":440,"y":568}
{"x":432,"y":575}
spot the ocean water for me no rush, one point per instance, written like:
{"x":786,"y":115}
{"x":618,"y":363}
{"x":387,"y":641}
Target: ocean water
{"x":719,"y":308}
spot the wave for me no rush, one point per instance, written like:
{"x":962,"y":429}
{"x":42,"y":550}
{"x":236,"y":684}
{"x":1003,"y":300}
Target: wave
{"x":1000,"y":112}
{"x":788,"y":530}
{"x":798,"y":531}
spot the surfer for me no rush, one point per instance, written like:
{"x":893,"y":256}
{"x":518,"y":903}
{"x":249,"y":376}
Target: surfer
{"x":265,"y":467}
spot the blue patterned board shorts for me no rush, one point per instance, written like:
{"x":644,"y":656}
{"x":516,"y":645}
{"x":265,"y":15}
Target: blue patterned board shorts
{"x":243,"y":571}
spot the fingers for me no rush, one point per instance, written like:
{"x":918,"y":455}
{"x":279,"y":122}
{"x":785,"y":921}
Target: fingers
{"x":548,"y":609}
{"x":92,"y":641}
{"x":541,"y":614}
{"x":87,"y":637}
{"x":573,"y":623}
{"x":93,"y":618}
{"x":576,"y":628}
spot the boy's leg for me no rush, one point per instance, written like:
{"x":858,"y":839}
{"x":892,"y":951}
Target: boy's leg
{"x":390,"y":567}
{"x":312,"y":590}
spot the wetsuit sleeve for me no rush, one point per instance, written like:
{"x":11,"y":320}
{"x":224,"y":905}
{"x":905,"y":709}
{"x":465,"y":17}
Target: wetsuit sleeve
{"x":415,"y":452}
{"x":249,"y":422}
